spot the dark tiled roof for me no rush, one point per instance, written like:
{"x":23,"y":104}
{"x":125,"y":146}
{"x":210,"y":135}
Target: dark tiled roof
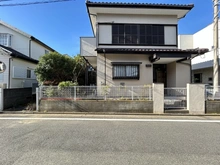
{"x":19,"y":55}
{"x":151,"y":50}
{"x":139,"y":5}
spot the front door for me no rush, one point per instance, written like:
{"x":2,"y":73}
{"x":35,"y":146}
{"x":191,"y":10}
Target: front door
{"x":159,"y":73}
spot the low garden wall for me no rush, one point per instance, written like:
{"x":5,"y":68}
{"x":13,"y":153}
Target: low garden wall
{"x":212,"y":106}
{"x":69,"y":105}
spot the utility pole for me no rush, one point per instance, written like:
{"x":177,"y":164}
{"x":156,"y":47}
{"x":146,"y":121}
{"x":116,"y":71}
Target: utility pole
{"x":216,"y":47}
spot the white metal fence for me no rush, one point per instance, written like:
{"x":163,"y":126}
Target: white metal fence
{"x":212,"y":94}
{"x":97,"y":92}
{"x":175,"y":98}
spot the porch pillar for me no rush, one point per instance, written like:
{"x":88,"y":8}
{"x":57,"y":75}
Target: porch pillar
{"x":196,"y":98}
{"x":158,"y":98}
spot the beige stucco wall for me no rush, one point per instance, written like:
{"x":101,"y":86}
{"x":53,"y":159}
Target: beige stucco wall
{"x":178,"y":74}
{"x":146,"y":73}
{"x":171,"y":74}
{"x":183,"y":73}
{"x":135,"y":18}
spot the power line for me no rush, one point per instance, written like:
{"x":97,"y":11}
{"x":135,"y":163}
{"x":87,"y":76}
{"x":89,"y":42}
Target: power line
{"x":4,"y":0}
{"x":31,"y":3}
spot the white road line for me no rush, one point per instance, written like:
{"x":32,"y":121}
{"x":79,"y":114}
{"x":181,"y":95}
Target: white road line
{"x":103,"y":119}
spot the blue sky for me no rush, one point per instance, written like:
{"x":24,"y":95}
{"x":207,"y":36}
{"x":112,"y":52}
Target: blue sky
{"x":60,"y":25}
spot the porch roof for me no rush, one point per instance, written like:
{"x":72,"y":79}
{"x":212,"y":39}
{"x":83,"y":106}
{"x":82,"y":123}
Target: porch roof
{"x":151,"y":50}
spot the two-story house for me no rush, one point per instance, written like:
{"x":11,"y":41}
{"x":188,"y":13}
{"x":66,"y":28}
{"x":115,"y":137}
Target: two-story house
{"x":137,"y":44}
{"x":19,"y":55}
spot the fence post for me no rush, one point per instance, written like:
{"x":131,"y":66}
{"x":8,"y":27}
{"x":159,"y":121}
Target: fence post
{"x":74,"y":93}
{"x":37,"y":99}
{"x":1,"y":99}
{"x":196,"y":98}
{"x":158,"y":98}
{"x":132,"y":93}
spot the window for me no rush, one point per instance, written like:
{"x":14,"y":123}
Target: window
{"x":134,"y":34}
{"x":5,"y":39}
{"x":46,"y":52}
{"x":198,"y":78}
{"x":28,"y":73}
{"x":125,"y":71}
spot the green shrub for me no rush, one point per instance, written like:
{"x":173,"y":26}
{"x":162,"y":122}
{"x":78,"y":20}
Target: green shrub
{"x":64,"y":84}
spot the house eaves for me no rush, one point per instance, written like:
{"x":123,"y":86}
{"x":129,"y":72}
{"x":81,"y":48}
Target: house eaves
{"x":140,"y":5}
{"x":16,"y":54}
{"x":150,"y":51}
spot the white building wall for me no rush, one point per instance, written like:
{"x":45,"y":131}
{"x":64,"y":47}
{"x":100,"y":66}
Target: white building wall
{"x":37,"y":50}
{"x":203,"y":39}
{"x":185,"y":41}
{"x":146,"y":73}
{"x":19,"y":42}
{"x":88,"y":46}
{"x":19,"y":73}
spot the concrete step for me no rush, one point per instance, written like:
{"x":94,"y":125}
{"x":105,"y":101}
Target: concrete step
{"x":176,"y":111}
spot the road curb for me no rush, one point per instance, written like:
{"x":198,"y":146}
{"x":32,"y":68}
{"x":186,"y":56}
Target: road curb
{"x":105,"y":113}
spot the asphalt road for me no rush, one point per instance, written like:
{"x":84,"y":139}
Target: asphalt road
{"x":32,"y":140}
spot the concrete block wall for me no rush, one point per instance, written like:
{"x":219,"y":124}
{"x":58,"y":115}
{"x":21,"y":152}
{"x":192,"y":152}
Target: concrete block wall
{"x":67,"y":105}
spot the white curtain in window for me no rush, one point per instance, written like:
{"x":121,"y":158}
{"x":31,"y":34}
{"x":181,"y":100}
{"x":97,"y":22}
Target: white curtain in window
{"x":131,"y":71}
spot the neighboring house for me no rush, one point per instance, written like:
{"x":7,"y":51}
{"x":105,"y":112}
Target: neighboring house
{"x":19,"y":53}
{"x":137,"y":44}
{"x":202,"y":66}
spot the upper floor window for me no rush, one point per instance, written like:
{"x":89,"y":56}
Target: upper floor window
{"x":5,"y":39}
{"x":47,"y":52}
{"x":28,"y":73}
{"x":138,"y":34}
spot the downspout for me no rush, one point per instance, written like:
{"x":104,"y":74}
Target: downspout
{"x":9,"y":73}
{"x":105,"y":64}
{"x":30,"y":48}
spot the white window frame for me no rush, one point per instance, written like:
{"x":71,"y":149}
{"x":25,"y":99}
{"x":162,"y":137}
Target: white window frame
{"x":5,"y":39}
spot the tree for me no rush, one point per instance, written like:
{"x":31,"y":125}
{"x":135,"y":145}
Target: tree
{"x":54,"y":68}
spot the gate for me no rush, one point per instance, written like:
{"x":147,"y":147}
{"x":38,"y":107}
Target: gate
{"x":175,"y":98}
